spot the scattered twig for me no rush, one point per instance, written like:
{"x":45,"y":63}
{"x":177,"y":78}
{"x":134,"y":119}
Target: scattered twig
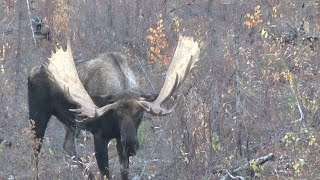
{"x":181,"y":6}
{"x":154,"y":148}
{"x":144,"y":72}
{"x":30,"y":20}
{"x":229,"y":176}
{"x":301,"y":119}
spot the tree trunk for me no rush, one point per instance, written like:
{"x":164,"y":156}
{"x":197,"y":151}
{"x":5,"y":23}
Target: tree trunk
{"x":110,"y":24}
{"x":18,"y":66}
{"x":237,"y":31}
{"x":238,"y":94}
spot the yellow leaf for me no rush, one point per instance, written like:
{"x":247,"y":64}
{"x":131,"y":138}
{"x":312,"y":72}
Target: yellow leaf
{"x":263,"y":32}
{"x":257,"y":174}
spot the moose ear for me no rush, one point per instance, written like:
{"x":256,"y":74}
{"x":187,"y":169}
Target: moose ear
{"x":102,"y":100}
{"x":148,"y":97}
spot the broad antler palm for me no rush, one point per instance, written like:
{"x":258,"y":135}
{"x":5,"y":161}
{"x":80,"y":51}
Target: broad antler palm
{"x":184,"y":60}
{"x":62,"y":70}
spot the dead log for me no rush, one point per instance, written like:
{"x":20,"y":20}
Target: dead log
{"x":245,"y":170}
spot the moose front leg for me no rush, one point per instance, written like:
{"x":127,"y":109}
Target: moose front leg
{"x":124,"y":160}
{"x":101,"y":152}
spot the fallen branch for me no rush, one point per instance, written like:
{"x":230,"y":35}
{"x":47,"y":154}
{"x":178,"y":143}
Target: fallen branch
{"x":228,"y":176}
{"x":246,"y":169}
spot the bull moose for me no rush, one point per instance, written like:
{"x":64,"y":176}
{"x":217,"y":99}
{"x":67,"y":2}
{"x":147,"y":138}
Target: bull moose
{"x":102,"y":96}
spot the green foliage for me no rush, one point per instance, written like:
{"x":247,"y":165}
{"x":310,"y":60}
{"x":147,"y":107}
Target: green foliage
{"x":215,"y":142}
{"x":297,"y":166}
{"x":302,"y":146}
{"x":2,"y":146}
{"x":143,"y":134}
{"x":256,"y":168}
{"x":289,"y":138}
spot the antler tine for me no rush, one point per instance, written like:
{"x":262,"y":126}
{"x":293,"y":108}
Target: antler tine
{"x":61,"y":70}
{"x":184,"y":60}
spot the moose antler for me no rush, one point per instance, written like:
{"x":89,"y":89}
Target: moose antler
{"x":185,"y":58}
{"x":62,"y":71}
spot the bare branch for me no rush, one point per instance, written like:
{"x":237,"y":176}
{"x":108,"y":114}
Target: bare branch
{"x":30,"y":21}
{"x":233,"y":174}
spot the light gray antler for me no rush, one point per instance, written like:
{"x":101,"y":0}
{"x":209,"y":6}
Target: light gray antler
{"x":185,"y":58}
{"x":62,"y":71}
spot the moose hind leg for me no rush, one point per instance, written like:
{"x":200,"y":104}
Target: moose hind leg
{"x":70,"y":147}
{"x":69,"y":143}
{"x":39,"y":121}
{"x":124,"y":160}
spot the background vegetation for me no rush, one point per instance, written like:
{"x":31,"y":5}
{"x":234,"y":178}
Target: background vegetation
{"x":255,"y":91}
